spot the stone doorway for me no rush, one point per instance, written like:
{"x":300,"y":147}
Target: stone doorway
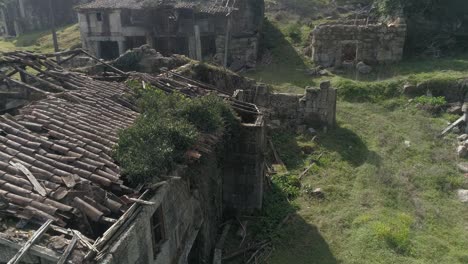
{"x":348,"y":52}
{"x":109,"y":50}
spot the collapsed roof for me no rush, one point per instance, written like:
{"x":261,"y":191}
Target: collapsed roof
{"x":55,"y":155}
{"x":203,"y":6}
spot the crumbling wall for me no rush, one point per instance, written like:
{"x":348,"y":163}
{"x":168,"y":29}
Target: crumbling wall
{"x":332,"y":44}
{"x":223,"y":79}
{"x":192,"y":212}
{"x":244,"y":170}
{"x":182,"y":218}
{"x":316,"y":107}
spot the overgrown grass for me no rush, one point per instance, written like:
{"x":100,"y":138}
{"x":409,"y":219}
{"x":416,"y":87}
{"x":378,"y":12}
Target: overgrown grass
{"x":41,"y":41}
{"x":384,"y":202}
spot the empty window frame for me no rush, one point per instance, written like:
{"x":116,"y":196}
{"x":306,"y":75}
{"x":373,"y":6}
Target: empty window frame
{"x":99,"y":16}
{"x":158,"y":231}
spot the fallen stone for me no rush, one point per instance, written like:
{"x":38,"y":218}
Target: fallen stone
{"x":410,"y":90}
{"x":463,"y":167}
{"x":318,"y":193}
{"x":462,"y":151}
{"x":312,"y":131}
{"x":463,"y":195}
{"x":407,"y":143}
{"x":463,"y":137}
{"x":455,"y":109}
{"x":363,"y":68}
{"x":324,"y":73}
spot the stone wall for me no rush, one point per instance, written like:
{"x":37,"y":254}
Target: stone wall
{"x":243,"y":173}
{"x":333,"y":44}
{"x":315,"y":108}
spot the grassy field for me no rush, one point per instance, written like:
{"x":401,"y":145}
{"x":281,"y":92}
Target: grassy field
{"x":384,"y":202}
{"x":389,"y":183}
{"x":41,"y":41}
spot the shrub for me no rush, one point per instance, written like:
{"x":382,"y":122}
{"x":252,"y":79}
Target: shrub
{"x":430,"y":104}
{"x":431,"y":101}
{"x":168,"y":126}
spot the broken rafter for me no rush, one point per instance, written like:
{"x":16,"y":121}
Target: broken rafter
{"x":24,"y":85}
{"x":68,"y":250}
{"x":113,"y":229}
{"x":45,"y":82}
{"x":103,"y":62}
{"x":37,"y":235}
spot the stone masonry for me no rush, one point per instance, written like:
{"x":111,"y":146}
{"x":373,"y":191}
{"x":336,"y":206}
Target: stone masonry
{"x":334,"y":44}
{"x":315,"y":108}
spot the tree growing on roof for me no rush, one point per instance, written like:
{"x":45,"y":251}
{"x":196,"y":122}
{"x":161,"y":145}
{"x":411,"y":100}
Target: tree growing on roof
{"x":168,"y":126}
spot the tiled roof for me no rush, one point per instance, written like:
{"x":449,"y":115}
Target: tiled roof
{"x":65,"y":141}
{"x":113,"y":4}
{"x":203,"y":6}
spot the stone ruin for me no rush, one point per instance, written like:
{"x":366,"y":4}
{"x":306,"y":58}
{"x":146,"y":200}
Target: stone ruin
{"x":224,"y":32}
{"x":337,"y":44}
{"x":315,"y":108}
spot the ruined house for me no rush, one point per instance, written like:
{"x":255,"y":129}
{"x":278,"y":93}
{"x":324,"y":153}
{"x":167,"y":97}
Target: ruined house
{"x":56,"y":164}
{"x":334,"y":44}
{"x":225,"y":32}
{"x":21,"y":16}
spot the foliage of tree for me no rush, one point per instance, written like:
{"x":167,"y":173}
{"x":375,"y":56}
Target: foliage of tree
{"x":443,"y":9}
{"x":168,"y":126}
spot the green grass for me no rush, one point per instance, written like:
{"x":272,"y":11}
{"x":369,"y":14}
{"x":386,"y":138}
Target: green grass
{"x":385,"y":202}
{"x":288,"y":69}
{"x":41,"y":41}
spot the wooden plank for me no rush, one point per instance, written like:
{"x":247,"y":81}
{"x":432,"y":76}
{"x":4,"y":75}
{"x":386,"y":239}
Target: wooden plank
{"x":24,"y":249}
{"x":42,"y":252}
{"x":453,"y":125}
{"x":113,"y":229}
{"x":37,"y":186}
{"x":68,"y":250}
{"x":103,"y":62}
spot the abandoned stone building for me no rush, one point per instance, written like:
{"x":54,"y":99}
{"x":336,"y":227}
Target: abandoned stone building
{"x":20,"y":16}
{"x":57,"y":173}
{"x":334,"y":44}
{"x":225,"y":32}
{"x":55,"y":165}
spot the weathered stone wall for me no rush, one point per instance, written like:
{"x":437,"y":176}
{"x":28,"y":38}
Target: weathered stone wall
{"x":182,"y":217}
{"x":317,"y":107}
{"x":243,"y":173}
{"x":242,"y":27}
{"x":372,"y":44}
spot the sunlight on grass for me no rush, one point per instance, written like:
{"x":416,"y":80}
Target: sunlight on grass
{"x":41,"y":41}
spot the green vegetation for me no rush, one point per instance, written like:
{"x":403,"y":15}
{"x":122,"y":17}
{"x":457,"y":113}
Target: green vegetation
{"x":385,"y":201}
{"x":430,"y":100}
{"x":388,"y":181}
{"x":41,"y":41}
{"x":168,"y":126}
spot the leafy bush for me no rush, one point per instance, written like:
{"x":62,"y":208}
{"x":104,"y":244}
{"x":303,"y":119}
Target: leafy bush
{"x":288,"y":184}
{"x":430,"y":101}
{"x":368,"y":91}
{"x":168,"y":126}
